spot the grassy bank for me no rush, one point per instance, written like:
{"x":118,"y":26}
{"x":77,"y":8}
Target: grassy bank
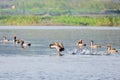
{"x":60,"y":20}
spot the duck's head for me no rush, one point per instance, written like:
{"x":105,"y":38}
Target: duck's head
{"x":92,"y":41}
{"x":108,"y":45}
{"x":14,"y":37}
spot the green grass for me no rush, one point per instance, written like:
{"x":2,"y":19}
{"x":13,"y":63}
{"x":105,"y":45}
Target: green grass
{"x":88,"y":21}
{"x":20,"y":20}
{"x":60,"y":20}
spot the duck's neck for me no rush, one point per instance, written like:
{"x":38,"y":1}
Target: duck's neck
{"x":91,"y":43}
{"x":22,"y":43}
{"x":15,"y":39}
{"x":108,"y":48}
{"x":4,"y":38}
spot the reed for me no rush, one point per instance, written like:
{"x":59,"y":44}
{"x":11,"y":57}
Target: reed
{"x":88,"y":21}
{"x":60,"y":20}
{"x":20,"y":20}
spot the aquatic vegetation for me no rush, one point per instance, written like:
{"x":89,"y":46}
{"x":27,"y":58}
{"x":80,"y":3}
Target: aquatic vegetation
{"x":20,"y":20}
{"x":89,"y":21}
{"x":60,"y":20}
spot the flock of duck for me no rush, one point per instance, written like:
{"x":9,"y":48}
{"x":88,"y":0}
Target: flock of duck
{"x":60,"y":47}
{"x":16,"y":41}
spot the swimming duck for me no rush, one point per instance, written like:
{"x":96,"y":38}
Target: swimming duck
{"x":58,"y":46}
{"x":23,"y":44}
{"x":80,"y":43}
{"x":111,"y":50}
{"x":94,"y":46}
{"x":5,"y":39}
{"x":16,"y":41}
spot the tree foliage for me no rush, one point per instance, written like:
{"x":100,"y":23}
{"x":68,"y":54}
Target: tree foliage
{"x":59,"y":7}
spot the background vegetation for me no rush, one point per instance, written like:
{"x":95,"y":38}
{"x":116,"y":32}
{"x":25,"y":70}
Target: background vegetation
{"x":61,"y":20}
{"x":60,"y":12}
{"x":59,"y":7}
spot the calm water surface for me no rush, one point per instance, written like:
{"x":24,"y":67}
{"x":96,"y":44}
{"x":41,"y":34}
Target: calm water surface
{"x":41,"y":37}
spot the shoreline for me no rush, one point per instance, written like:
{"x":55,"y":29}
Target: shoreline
{"x":61,"y":27}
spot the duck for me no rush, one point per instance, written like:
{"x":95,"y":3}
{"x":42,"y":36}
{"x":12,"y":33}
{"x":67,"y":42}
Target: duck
{"x":16,"y":41}
{"x":58,"y":46}
{"x":94,"y":46}
{"x":5,"y":39}
{"x":23,"y":44}
{"x":111,"y":50}
{"x":80,"y":43}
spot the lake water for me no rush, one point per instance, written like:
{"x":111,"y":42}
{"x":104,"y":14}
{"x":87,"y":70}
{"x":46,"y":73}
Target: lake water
{"x":41,"y":37}
{"x":37,"y":63}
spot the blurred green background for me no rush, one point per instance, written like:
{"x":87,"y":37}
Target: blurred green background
{"x":59,"y":7}
{"x":60,"y":12}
